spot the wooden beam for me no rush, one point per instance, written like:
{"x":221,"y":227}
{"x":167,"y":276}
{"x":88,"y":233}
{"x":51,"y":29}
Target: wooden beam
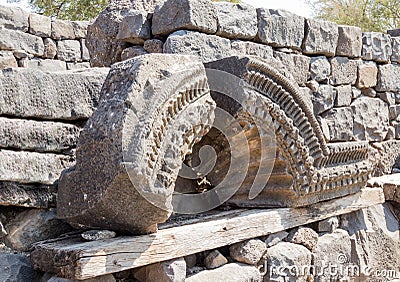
{"x":75,"y":259}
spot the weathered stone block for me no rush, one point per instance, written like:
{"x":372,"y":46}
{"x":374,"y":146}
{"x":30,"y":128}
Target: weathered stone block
{"x":236,"y":21}
{"x":320,"y":68}
{"x":29,"y":167}
{"x":96,"y":235}
{"x":280,"y":28}
{"x":80,"y":29}
{"x":17,"y":40}
{"x":61,"y":30}
{"x":394,"y":113}
{"x":31,"y":226}
{"x":329,"y":224}
{"x":371,"y":119}
{"x":396,"y":50}
{"x":7,"y":60}
{"x":242,"y":48}
{"x":376,"y":47}
{"x":48,"y":277}
{"x":275,"y":238}
{"x":41,"y":136}
{"x":250,"y":251}
{"x":298,"y":65}
{"x":304,"y":236}
{"x":69,"y":50}
{"x":39,"y":25}
{"x":340,"y":124}
{"x":233,"y":272}
{"x":14,"y":18}
{"x":135,"y":27}
{"x":78,"y":66}
{"x":46,"y":65}
{"x":173,"y":15}
{"x":369,"y":92}
{"x":344,"y":96}
{"x":214,"y":260}
{"x":344,"y":71}
{"x":132,"y":52}
{"x":367,"y":75}
{"x":167,"y":271}
{"x":50,"y":48}
{"x":349,"y":41}
{"x":65,"y":95}
{"x":388,"y":78}
{"x":16,"y":267}
{"x":153,"y":46}
{"x":324,"y":99}
{"x":85,"y":51}
{"x":321,"y":37}
{"x":388,"y":97}
{"x":207,"y":47}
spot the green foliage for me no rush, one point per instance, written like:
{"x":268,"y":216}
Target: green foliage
{"x":370,"y":15}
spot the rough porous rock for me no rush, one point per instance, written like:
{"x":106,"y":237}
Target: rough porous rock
{"x":344,"y":71}
{"x":207,"y":47}
{"x":95,"y":235}
{"x":369,"y":92}
{"x":69,"y":50}
{"x":232,"y":272}
{"x":85,"y":50}
{"x":298,"y":65}
{"x":134,"y":27}
{"x":371,"y":119}
{"x":80,"y":29}
{"x":282,"y":258}
{"x":388,"y":78}
{"x":132,"y":52}
{"x":367,"y":75}
{"x":280,"y":28}
{"x":321,"y":37}
{"x":329,"y":224}
{"x":53,"y":278}
{"x":243,"y":48}
{"x":40,"y":136}
{"x":250,"y":251}
{"x":388,"y":97}
{"x":65,"y":95}
{"x":320,"y":68}
{"x":50,"y":48}
{"x":7,"y":60}
{"x":344,"y":96}
{"x":304,"y":236}
{"x":376,"y":47}
{"x":340,"y":124}
{"x":33,"y":225}
{"x":45,"y":65}
{"x":275,"y":238}
{"x":191,"y":260}
{"x":395,"y":50}
{"x":349,"y":41}
{"x":167,"y":271}
{"x":61,"y":30}
{"x":16,"y":267}
{"x":14,"y":18}
{"x":237,"y":21}
{"x":17,"y":40}
{"x":214,"y":259}
{"x":32,"y":167}
{"x":78,"y":66}
{"x":39,"y":25}
{"x":324,"y":99}
{"x":153,"y":46}
{"x":99,"y":186}
{"x":173,"y":15}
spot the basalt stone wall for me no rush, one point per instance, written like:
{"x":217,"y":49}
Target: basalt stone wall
{"x":350,"y":77}
{"x":34,"y":41}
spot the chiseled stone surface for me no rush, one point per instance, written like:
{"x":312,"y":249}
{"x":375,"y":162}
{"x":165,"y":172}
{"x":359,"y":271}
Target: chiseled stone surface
{"x":61,"y":30}
{"x":17,"y":40}
{"x":344,"y":96}
{"x":367,"y":75}
{"x":7,"y":60}
{"x":340,"y":124}
{"x":242,"y":48}
{"x":344,"y":71}
{"x":69,"y":50}
{"x":250,"y":251}
{"x":297,"y":65}
{"x":388,"y":78}
{"x":207,"y":47}
{"x":349,"y":41}
{"x":320,"y":68}
{"x":280,"y":28}
{"x":232,"y":272}
{"x":50,"y":48}
{"x":39,"y":25}
{"x":324,"y":98}
{"x":173,"y":15}
{"x":167,"y":271}
{"x":42,"y":136}
{"x":376,"y":47}
{"x":236,"y":21}
{"x":70,"y":95}
{"x":14,"y":18}
{"x":321,"y":37}
{"x":31,"y":167}
{"x":134,"y":27}
{"x":371,"y":119}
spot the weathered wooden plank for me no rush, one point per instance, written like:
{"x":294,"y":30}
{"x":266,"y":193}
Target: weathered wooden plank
{"x":81,"y":260}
